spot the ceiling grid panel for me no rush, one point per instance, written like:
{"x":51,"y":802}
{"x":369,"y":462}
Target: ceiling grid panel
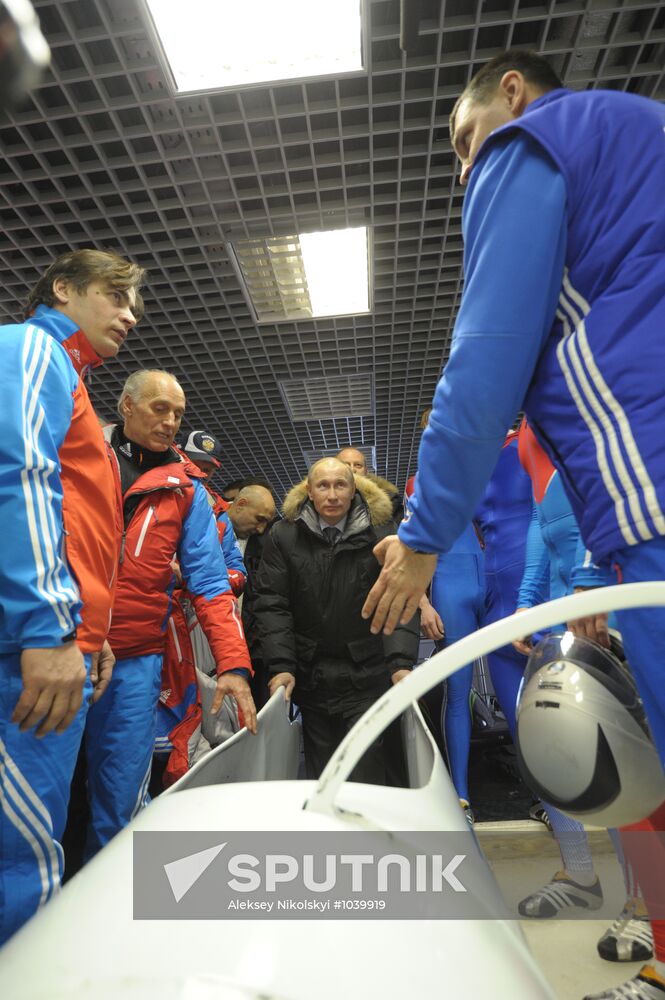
{"x":103,"y":154}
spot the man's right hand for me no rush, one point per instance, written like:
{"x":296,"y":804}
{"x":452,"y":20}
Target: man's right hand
{"x":53,"y":680}
{"x":285,"y":680}
{"x":401,"y":584}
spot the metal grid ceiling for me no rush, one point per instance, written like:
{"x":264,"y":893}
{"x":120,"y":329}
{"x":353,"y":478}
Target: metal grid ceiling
{"x":102,"y":155}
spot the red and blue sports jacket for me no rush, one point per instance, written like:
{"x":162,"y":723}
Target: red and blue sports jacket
{"x":58,"y":500}
{"x":235,"y":567}
{"x":179,"y":712}
{"x":173,"y":519}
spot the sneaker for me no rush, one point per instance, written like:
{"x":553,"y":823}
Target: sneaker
{"x":646,"y":985}
{"x":468,"y":812}
{"x":539,"y":813}
{"x":629,"y":939}
{"x":561,"y":893}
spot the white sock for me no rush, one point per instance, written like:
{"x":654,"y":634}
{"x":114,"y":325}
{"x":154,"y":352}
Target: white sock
{"x":582,"y":878}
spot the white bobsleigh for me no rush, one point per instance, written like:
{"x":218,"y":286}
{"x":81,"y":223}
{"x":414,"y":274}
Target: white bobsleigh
{"x":86,"y":943}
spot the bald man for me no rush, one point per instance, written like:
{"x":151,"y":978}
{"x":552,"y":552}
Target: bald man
{"x":247,"y":517}
{"x":252,"y":511}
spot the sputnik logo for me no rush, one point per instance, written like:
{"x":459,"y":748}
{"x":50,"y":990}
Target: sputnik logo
{"x":183,"y":873}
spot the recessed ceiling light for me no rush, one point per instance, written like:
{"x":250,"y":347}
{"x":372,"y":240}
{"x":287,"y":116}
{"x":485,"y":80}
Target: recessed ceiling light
{"x":213,"y":44}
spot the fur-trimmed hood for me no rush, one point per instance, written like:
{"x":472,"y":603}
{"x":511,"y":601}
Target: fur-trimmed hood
{"x":375,"y":498}
{"x":383,"y":484}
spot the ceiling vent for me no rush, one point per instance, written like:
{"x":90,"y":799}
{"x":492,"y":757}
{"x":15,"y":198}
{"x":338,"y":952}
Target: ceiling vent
{"x":328,"y":398}
{"x":313,"y":455}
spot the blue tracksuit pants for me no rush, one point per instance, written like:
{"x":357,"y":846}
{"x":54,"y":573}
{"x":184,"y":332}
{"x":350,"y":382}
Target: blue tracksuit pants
{"x":119,"y":741}
{"x":35,"y":778}
{"x":643,"y":633}
{"x":506,"y":664}
{"x":458,"y":594}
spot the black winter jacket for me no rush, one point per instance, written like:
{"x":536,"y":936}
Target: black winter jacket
{"x":309,"y":598}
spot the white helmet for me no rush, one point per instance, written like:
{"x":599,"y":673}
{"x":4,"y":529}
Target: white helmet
{"x":583,"y":742}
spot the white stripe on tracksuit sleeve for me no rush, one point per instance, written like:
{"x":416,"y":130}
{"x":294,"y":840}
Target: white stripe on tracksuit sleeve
{"x":39,"y":599}
{"x":513,"y":275}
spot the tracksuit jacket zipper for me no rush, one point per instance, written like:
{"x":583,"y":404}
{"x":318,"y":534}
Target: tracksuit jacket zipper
{"x":151,"y":513}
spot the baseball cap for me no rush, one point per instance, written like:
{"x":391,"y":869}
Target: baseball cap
{"x":200,"y":444}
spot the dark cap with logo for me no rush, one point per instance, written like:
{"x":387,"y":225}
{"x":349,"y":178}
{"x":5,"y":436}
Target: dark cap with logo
{"x":204,"y":446}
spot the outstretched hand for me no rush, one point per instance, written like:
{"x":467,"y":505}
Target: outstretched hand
{"x":394,"y":598}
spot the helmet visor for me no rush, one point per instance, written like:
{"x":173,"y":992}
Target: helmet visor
{"x":557,"y":651}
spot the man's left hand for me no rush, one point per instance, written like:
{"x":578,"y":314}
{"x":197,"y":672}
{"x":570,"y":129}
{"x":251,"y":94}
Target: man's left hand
{"x":238,"y":687}
{"x":395,"y":596}
{"x":101,"y":671}
{"x":399,"y":675}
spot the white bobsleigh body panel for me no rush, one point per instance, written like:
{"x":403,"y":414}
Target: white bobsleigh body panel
{"x":85,"y":943}
{"x":88,"y":944}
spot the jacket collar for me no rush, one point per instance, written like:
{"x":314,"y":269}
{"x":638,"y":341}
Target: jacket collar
{"x":179,"y":472}
{"x":551,"y":95}
{"x":172,"y":476}
{"x":539,"y":102}
{"x":376,"y":501}
{"x":65,"y":331}
{"x":358,"y":518}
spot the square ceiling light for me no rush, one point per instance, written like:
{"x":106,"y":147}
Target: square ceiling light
{"x":310,"y":276}
{"x":213,"y":44}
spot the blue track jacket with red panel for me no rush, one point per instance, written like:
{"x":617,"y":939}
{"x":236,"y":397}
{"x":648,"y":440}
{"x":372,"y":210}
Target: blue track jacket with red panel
{"x":173,"y":518}
{"x":58,"y":499}
{"x":235,"y":567}
{"x":556,"y":559}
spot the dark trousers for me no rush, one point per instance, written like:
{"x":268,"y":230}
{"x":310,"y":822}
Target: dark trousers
{"x":322,"y":734}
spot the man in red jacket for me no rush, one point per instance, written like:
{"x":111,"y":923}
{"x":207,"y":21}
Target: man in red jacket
{"x":166,"y":511}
